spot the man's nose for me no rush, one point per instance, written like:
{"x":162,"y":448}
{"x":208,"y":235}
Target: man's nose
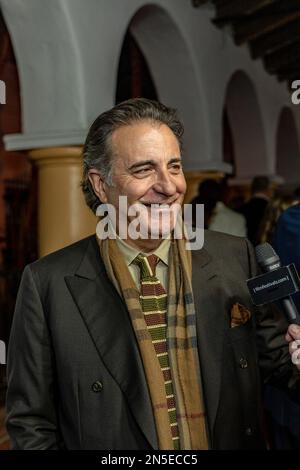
{"x":165,"y":184}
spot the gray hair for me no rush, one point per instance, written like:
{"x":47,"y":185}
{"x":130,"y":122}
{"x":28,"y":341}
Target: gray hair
{"x":97,"y":150}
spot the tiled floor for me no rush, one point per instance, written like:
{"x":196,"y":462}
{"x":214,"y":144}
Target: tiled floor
{"x":4,"y":440}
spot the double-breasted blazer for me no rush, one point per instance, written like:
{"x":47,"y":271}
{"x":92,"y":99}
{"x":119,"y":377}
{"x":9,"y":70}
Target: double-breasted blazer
{"x":75,"y":374}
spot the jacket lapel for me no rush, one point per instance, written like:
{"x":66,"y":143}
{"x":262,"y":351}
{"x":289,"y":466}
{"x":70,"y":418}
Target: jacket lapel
{"x":103,"y":310}
{"x":210,"y":322}
{"x":108,"y":323}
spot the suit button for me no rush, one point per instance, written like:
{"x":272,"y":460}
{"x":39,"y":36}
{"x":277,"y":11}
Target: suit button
{"x":97,"y":386}
{"x":243,"y":363}
{"x":249,"y":432}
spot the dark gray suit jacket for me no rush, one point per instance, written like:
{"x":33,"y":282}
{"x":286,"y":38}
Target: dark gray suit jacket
{"x":75,"y":375}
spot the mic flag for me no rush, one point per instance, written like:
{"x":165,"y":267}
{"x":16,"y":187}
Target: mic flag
{"x":276,"y":284}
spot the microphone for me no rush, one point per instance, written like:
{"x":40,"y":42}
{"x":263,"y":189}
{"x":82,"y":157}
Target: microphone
{"x":277,"y":283}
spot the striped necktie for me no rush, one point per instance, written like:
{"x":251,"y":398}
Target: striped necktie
{"x":153,"y":299}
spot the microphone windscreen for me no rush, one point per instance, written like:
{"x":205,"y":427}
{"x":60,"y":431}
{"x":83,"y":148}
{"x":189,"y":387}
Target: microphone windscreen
{"x":266,"y":255}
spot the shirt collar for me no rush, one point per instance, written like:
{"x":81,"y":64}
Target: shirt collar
{"x":130,"y":253}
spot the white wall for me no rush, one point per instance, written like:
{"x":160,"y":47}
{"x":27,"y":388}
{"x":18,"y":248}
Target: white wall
{"x":67,"y":53}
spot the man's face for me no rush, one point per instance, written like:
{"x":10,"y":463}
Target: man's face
{"x":146,"y":168}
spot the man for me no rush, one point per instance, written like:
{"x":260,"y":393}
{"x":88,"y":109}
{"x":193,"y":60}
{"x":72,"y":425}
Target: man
{"x":140,"y":344}
{"x":254,"y":209}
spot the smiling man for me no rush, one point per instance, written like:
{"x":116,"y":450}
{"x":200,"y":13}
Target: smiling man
{"x":147,"y":169}
{"x":138,"y":343}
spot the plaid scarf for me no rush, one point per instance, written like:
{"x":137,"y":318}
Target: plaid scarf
{"x":181,"y":341}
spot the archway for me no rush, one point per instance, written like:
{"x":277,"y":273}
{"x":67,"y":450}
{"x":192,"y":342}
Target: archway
{"x":17,"y":191}
{"x":134,"y":77}
{"x":171,"y":67}
{"x":17,"y":205}
{"x":245,"y":121}
{"x":287,"y":149}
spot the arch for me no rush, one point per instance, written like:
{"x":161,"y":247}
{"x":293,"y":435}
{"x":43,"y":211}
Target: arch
{"x":246,"y":124}
{"x":43,"y":89}
{"x":17,"y":191}
{"x":287,"y":148}
{"x":134,"y":78}
{"x":172,"y":68}
{"x":64,"y":88}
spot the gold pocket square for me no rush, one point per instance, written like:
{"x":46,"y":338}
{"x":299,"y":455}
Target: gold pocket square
{"x":239,"y":315}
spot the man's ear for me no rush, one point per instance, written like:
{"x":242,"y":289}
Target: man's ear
{"x":98,"y":183}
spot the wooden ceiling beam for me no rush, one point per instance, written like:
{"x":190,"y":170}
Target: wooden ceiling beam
{"x":283,"y":57}
{"x":199,"y":3}
{"x":271,"y":27}
{"x":266,"y":20}
{"x":227,"y":11}
{"x":290,"y":75}
{"x":241,"y":10}
{"x":275,"y":40}
{"x":291,"y":72}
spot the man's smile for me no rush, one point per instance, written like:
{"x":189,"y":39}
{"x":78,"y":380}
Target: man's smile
{"x":159,"y":205}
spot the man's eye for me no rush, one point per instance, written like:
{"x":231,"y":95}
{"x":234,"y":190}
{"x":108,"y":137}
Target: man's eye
{"x":142,"y":171}
{"x":176,"y":167}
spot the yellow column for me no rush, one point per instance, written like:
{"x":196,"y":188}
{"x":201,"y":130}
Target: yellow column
{"x":63,"y":216}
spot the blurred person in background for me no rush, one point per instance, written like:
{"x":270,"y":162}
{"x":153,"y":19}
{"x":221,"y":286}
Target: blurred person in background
{"x":273,"y":211}
{"x":254,"y":209}
{"x":297,"y":192}
{"x":217,"y":216}
{"x":287,"y":240}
